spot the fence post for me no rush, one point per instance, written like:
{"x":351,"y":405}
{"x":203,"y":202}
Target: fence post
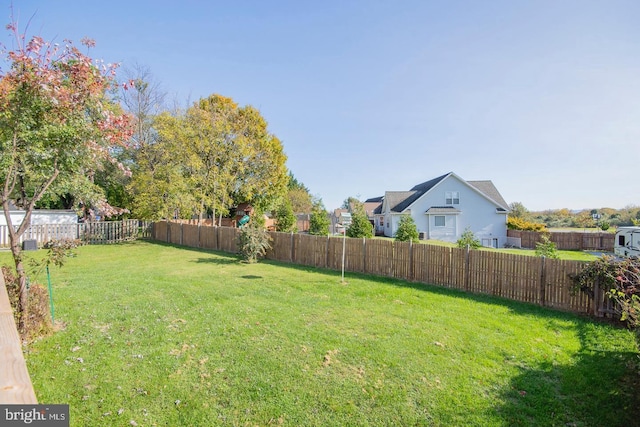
{"x":364,"y":255}
{"x":326,"y":255}
{"x":411,"y":260}
{"x":293,"y":249}
{"x":596,"y":298}
{"x":543,"y":279}
{"x":467,"y":278}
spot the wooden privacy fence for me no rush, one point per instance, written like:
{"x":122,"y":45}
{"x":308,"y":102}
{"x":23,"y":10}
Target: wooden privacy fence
{"x":89,"y":232}
{"x":567,"y":241}
{"x":528,"y":279}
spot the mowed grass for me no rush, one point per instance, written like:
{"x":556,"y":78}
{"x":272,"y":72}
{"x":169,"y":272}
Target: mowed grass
{"x":159,"y":335}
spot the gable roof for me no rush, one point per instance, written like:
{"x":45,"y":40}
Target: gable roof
{"x":398,"y":201}
{"x":417,"y":192}
{"x":486,"y":187}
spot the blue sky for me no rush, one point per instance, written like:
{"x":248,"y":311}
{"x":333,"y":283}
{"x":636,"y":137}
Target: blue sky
{"x":541,"y":97}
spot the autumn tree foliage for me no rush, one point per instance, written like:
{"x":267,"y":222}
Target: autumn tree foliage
{"x":58,"y":125}
{"x":299,"y":195}
{"x":209,"y":159}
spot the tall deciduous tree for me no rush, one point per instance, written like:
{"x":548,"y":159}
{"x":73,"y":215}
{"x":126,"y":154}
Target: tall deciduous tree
{"x":57,"y":124}
{"x":223,"y":155}
{"x":299,"y":196}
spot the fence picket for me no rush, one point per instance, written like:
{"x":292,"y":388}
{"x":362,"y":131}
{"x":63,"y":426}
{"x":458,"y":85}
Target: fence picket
{"x":516,"y":277}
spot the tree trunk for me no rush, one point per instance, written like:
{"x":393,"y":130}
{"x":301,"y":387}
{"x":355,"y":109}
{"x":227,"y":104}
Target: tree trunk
{"x":23,"y":306}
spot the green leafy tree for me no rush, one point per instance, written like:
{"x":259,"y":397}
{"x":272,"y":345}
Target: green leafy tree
{"x":584,"y":219}
{"x":253,"y":241}
{"x":517,"y":210}
{"x":299,"y":196}
{"x":360,"y":225}
{"x":468,"y":239}
{"x":407,"y":230}
{"x":159,"y":187}
{"x":286,"y":221}
{"x":218,"y":155}
{"x":352,"y":204}
{"x":319,"y":221}
{"x":58,"y":124}
{"x":546,"y":248}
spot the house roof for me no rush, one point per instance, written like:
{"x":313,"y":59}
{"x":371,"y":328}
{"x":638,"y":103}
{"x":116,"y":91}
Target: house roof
{"x":442,"y":210}
{"x":337,"y":212}
{"x":371,"y":207}
{"x":398,"y":201}
{"x":417,"y":192}
{"x":491,"y":191}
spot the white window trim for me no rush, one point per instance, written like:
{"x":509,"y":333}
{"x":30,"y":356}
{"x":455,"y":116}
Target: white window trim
{"x":452,"y":198}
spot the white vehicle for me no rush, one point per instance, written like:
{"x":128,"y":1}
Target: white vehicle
{"x":627,"y":243}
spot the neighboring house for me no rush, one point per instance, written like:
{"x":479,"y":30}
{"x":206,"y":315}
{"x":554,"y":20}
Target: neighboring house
{"x":444,"y":207}
{"x":336,"y":218}
{"x":373,"y":208}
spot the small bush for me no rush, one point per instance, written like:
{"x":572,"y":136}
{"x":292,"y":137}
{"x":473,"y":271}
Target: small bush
{"x":407,"y":230}
{"x":619,"y":279}
{"x":319,"y":221}
{"x":38,"y":323}
{"x":547,"y":248}
{"x":360,"y":225}
{"x":468,"y":239}
{"x":514,"y":223}
{"x":253,"y":242}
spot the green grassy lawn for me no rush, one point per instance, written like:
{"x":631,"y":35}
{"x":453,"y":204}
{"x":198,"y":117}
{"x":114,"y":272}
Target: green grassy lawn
{"x":159,"y":335}
{"x":568,"y":255}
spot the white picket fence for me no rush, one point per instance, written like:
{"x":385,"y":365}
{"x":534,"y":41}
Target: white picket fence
{"x":89,"y":232}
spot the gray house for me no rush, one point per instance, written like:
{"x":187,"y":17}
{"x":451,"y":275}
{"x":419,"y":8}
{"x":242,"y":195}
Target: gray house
{"x":444,"y":207}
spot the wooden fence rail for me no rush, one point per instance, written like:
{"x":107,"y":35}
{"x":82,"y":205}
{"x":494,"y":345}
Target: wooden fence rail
{"x":569,"y":241}
{"x":536,"y":280}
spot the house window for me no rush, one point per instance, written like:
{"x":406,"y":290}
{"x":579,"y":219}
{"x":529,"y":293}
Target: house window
{"x":452,"y":198}
{"x":439,"y":220}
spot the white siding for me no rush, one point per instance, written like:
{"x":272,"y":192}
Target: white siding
{"x":42,"y":217}
{"x":447,"y":233}
{"x":477,"y":213}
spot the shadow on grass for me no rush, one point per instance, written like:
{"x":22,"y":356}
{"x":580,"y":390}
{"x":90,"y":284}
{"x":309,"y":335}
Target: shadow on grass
{"x":218,"y":257}
{"x":601,"y":389}
{"x":518,"y":307}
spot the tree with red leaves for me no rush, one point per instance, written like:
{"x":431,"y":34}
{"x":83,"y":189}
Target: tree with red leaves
{"x":58,"y":123}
